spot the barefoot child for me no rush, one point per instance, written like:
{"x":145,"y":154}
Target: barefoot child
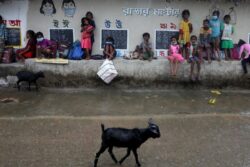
{"x":146,"y":47}
{"x":175,"y":58}
{"x":244,"y":54}
{"x":186,"y":29}
{"x":86,"y":37}
{"x":205,"y":39}
{"x":216,"y":25}
{"x":30,"y":49}
{"x":109,"y":51}
{"x":227,"y":41}
{"x":194,"y":58}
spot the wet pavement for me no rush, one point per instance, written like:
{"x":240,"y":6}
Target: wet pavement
{"x":57,"y":128}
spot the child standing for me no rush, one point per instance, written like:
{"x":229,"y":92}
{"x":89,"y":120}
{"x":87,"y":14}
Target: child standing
{"x":86,"y":37}
{"x":244,"y":54}
{"x":174,"y":56}
{"x":3,"y":37}
{"x":194,"y":58}
{"x":30,"y":49}
{"x":227,"y":41}
{"x":216,"y":26}
{"x":109,"y":51}
{"x":186,"y":29}
{"x":205,"y":39}
{"x":146,"y":47}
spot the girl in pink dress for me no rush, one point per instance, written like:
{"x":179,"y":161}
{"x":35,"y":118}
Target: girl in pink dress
{"x":174,"y":56}
{"x":86,"y":37}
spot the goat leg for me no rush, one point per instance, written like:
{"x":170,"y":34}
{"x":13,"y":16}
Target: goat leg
{"x":126,"y":156}
{"x":112,"y":154}
{"x":136,"y":157}
{"x":102,"y":149}
{"x":29,"y":86}
{"x":36,"y":86}
{"x":18,"y":85}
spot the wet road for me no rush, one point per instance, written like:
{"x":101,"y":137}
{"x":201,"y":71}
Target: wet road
{"x":55,"y":128}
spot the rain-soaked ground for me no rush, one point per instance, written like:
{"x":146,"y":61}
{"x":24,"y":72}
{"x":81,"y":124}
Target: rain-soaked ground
{"x":57,"y":128}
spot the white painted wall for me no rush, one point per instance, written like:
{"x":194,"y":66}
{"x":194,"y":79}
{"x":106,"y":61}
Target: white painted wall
{"x":112,"y":9}
{"x":16,"y":9}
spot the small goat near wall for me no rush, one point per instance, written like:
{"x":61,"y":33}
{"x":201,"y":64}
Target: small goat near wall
{"x":131,"y":139}
{"x":30,"y":77}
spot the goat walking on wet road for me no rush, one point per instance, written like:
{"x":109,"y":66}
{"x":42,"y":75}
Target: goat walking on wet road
{"x":131,"y":139}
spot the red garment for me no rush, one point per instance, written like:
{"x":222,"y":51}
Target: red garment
{"x":31,"y":51}
{"x":87,"y":31}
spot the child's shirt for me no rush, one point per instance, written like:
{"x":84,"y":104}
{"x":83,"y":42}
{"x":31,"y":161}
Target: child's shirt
{"x":87,"y":31}
{"x":145,"y":46}
{"x":245,"y":48}
{"x":185,"y":35}
{"x":174,"y":49}
{"x":193,"y":50}
{"x":45,"y":43}
{"x":228,"y":31}
{"x":3,"y":31}
{"x":216,"y":27}
{"x":205,"y":35}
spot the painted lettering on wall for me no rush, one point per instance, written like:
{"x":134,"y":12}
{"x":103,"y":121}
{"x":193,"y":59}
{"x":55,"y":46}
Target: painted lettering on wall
{"x":167,"y":11}
{"x":171,"y":26}
{"x":65,"y":23}
{"x":108,"y":24}
{"x":12,"y":23}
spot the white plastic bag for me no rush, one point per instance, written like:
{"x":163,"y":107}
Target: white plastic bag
{"x":107,"y":71}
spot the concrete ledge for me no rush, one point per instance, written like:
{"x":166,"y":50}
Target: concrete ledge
{"x":132,"y":73}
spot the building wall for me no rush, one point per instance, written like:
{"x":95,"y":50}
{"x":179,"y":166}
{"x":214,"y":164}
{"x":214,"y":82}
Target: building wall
{"x":113,"y":9}
{"x":16,"y":10}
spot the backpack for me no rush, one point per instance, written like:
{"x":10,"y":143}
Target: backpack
{"x":76,"y":52}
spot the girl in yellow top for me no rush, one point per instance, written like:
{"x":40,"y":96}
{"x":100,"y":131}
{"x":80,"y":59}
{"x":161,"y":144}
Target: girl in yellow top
{"x":186,"y":28}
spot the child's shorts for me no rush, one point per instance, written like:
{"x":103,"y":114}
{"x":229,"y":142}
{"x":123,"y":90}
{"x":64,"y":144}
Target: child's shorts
{"x":227,"y":44}
{"x":194,"y":59}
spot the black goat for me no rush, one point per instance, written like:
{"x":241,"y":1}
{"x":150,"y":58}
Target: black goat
{"x":30,"y":77}
{"x":131,"y":139}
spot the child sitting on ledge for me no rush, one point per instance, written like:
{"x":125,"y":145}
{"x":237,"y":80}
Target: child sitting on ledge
{"x":109,"y":51}
{"x":146,"y":48}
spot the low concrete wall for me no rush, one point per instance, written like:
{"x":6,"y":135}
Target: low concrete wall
{"x":134,"y":73}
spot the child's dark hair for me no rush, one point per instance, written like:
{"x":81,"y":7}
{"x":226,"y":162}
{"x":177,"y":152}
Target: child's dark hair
{"x":206,"y":21}
{"x":39,"y":34}
{"x":146,"y":34}
{"x":1,"y":18}
{"x":83,"y":19}
{"x":47,"y":1}
{"x":216,"y":12}
{"x":32,"y":34}
{"x":68,"y":1}
{"x":89,"y":13}
{"x":185,"y":12}
{"x":174,"y":37}
{"x":227,"y":17}
{"x":241,"y":42}
{"x":194,"y":36}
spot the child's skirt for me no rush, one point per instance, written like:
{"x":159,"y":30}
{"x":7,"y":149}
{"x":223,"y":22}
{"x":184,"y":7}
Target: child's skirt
{"x":176,"y":58}
{"x":86,"y":43}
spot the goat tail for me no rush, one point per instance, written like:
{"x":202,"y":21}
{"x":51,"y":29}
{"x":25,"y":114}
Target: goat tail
{"x":103,"y":128}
